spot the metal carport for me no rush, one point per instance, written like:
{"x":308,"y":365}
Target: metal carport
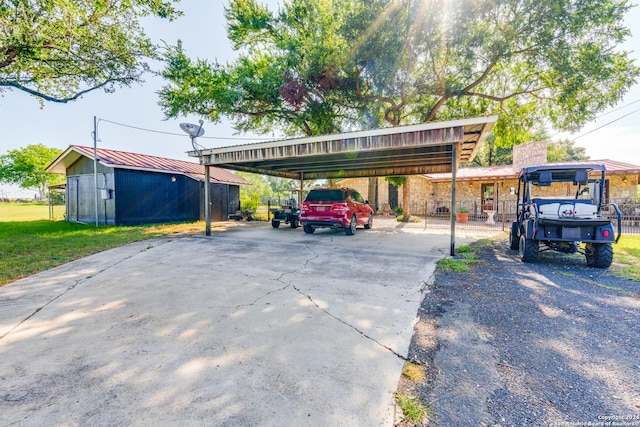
{"x":403,"y":150}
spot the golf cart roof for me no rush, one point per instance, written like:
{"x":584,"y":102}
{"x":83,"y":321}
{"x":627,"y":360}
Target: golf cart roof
{"x":560,"y":172}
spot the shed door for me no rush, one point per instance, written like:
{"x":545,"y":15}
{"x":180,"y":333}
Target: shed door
{"x":72,"y":199}
{"x":218,"y":202}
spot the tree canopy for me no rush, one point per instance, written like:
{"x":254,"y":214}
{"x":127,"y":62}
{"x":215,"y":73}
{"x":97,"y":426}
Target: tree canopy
{"x":321,"y":66}
{"x":26,"y":168}
{"x":565,"y":151}
{"x":58,"y":50}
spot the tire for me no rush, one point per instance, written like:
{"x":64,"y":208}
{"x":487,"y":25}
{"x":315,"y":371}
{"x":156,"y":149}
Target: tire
{"x":369,"y":223}
{"x":528,"y":249}
{"x":514,"y":239}
{"x":599,"y":255}
{"x":275,"y":224}
{"x":294,"y":223}
{"x":308,"y":229}
{"x":351,"y":229}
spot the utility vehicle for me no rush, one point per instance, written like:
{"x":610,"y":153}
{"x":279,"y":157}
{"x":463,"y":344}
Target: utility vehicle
{"x":561,"y":208}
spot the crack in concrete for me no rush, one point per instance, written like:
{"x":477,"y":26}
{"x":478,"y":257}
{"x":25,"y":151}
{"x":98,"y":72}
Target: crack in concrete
{"x":362,"y":333}
{"x":263,"y":296}
{"x":72,"y":287}
{"x":280,"y":279}
{"x":352,"y":326}
{"x":310,"y":298}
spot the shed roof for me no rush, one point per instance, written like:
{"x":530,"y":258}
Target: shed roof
{"x":143,"y":162}
{"x":506,"y":171}
{"x":402,"y":150}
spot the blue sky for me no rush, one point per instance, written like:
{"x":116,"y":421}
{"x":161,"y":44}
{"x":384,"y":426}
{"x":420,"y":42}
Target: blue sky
{"x":202,"y":30}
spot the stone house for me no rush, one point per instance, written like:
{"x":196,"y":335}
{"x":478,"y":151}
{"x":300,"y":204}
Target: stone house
{"x":483,"y":189}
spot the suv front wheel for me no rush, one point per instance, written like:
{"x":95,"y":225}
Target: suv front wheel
{"x":369,"y":223}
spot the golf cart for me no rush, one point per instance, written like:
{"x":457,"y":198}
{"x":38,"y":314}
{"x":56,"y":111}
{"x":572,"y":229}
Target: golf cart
{"x":289,"y":213}
{"x":561,"y":206}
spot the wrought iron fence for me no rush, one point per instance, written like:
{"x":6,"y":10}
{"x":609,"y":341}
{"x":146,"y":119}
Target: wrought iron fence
{"x":438,"y":215}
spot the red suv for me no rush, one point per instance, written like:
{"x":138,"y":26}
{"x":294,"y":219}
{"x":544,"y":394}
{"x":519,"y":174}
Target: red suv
{"x":337,"y":208}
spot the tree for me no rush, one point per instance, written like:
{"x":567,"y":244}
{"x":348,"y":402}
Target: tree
{"x":251,"y":195}
{"x":321,"y":66}
{"x":26,"y":167}
{"x":282,"y":187}
{"x":565,"y":151}
{"x":59,"y":50}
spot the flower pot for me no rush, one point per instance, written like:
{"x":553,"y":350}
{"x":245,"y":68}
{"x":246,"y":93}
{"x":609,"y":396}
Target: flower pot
{"x":462,"y":217}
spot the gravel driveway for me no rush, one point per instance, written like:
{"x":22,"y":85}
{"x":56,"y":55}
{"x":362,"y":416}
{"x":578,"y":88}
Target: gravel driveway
{"x":511,"y":344}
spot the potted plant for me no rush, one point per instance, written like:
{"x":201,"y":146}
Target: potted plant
{"x":463,"y":214}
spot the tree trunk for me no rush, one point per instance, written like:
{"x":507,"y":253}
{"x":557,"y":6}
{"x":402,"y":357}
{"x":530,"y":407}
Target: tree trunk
{"x":406,"y":197}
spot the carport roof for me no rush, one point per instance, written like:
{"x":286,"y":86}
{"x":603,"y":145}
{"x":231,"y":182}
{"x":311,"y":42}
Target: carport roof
{"x":402,"y":150}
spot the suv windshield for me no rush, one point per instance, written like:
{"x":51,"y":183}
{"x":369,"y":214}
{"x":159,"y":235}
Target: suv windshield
{"x":326,"y":196}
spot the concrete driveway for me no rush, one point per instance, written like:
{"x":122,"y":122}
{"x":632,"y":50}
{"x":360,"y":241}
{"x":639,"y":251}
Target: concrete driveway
{"x":252,"y":326}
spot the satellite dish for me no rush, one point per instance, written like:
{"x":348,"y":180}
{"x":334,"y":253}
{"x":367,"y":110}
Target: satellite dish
{"x":193,"y":130}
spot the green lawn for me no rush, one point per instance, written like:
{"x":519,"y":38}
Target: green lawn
{"x":626,"y":255}
{"x":30,"y":243}
{"x":29,"y":211}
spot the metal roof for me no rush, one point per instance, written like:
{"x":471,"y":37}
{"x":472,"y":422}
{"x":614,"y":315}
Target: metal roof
{"x":143,"y":162}
{"x":401,"y":150}
{"x":506,"y":171}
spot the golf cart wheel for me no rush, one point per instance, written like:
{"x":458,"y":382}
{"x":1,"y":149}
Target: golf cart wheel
{"x":351,"y":229}
{"x":599,"y":255}
{"x":514,"y":240}
{"x":369,"y":223}
{"x":275,"y":224}
{"x":308,"y":229}
{"x":528,"y":249}
{"x":294,"y":223}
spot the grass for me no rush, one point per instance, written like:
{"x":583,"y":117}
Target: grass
{"x":29,"y":211}
{"x":625,"y":257}
{"x":459,"y":264}
{"x":31,"y":246}
{"x":413,"y":372}
{"x":412,"y":408}
{"x":626,"y":254}
{"x":412,"y":218}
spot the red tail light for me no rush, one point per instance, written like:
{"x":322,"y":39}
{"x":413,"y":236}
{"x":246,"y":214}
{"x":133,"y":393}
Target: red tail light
{"x":339,"y":207}
{"x":605,"y":233}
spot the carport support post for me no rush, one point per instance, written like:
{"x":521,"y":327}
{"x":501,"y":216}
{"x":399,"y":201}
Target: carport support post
{"x":301,"y":189}
{"x":207,"y":202}
{"x":454,"y":172}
